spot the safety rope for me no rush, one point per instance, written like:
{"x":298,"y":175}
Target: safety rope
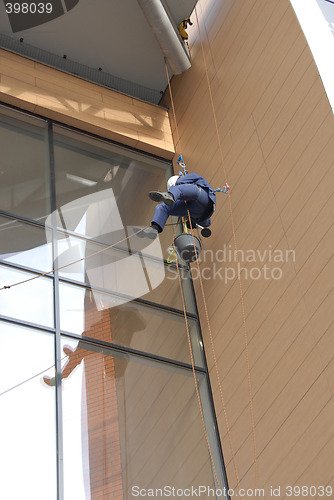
{"x":173,"y":107}
{"x":235,"y":247}
{"x":40,"y":275}
{"x":207,"y":316}
{"x":29,"y":379}
{"x":180,"y":159}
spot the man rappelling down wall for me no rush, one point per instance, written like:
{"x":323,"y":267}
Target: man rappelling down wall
{"x":187,"y":192}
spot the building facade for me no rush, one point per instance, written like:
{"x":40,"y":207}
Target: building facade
{"x":123,"y":410}
{"x":275,"y":149}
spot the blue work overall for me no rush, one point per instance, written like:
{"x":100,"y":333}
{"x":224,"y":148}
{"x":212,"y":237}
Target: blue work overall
{"x":199,"y":203}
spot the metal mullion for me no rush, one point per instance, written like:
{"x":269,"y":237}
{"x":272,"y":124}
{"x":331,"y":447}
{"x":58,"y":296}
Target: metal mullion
{"x":107,"y":246}
{"x":59,"y":407}
{"x":26,"y":324}
{"x":20,"y":218}
{"x":57,"y":342}
{"x":19,"y":267}
{"x":133,"y":352}
{"x":138,"y":300}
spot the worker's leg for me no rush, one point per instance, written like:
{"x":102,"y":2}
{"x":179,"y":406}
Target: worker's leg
{"x":189,"y":192}
{"x":197,"y":204}
{"x":162,"y":212}
{"x":184,"y":192}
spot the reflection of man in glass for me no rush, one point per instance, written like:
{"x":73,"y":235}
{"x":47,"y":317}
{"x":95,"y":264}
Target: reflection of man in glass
{"x":124,"y":322}
{"x":75,"y":356}
{"x":102,"y":396}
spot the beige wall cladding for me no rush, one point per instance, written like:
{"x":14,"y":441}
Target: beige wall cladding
{"x":70,"y":100}
{"x":276,"y":131}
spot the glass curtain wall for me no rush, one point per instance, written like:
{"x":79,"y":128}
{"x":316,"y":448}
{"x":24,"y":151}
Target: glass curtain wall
{"x":98,"y":399}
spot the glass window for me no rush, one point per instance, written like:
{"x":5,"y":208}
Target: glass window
{"x":127,"y":418}
{"x":128,"y":270}
{"x":31,"y":301}
{"x":148,"y":329}
{"x":102,"y":194}
{"x":129,"y":422}
{"x":86,"y":167}
{"x":24,"y":169}
{"x":27,"y":408}
{"x":102,"y":190}
{"x":25,"y":244}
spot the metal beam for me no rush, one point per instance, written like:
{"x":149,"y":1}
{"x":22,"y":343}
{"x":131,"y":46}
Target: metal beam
{"x":166,"y":34}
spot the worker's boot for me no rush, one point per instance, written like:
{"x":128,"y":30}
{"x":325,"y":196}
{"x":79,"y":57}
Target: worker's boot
{"x":50,"y":381}
{"x":160,"y":197}
{"x":150,"y":232}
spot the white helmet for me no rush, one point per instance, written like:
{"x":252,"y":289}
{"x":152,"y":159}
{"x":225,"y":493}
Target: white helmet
{"x":172,"y":181}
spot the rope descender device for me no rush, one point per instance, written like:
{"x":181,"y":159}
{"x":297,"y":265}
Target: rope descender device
{"x":181,"y":164}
